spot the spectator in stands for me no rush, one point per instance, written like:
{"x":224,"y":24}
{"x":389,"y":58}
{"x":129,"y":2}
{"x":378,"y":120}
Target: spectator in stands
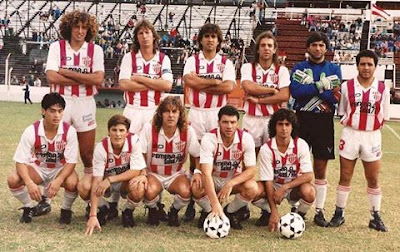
{"x":120,"y":105}
{"x":37,"y":82}
{"x":31,"y":80}
{"x":108,"y":83}
{"x":14,"y":80}
{"x":110,"y":52}
{"x":99,"y":104}
{"x":125,"y":48}
{"x":23,"y":81}
{"x":171,"y":18}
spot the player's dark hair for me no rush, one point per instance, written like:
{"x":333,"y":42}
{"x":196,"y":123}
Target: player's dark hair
{"x":269,"y":35}
{"x":171,"y":102}
{"x":210,"y":29}
{"x":118,"y":119}
{"x":71,"y":19}
{"x":280,"y":115}
{"x":367,"y":54}
{"x":145,"y":24}
{"x":229,"y":111}
{"x":317,"y":36}
{"x":51,"y":99}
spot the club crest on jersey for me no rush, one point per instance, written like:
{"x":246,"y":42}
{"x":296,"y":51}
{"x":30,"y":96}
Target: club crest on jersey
{"x":237,"y":154}
{"x":221,"y":67}
{"x":180,"y":145}
{"x":86,"y":61}
{"x":274,"y":77}
{"x":60,"y":145}
{"x":157,"y":68}
{"x":377,"y":96}
{"x":292,"y":158}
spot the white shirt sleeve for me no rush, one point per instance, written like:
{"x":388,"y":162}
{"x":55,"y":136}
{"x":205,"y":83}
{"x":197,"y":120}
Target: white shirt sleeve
{"x":53,"y":57}
{"x":136,"y":159}
{"x":99,"y":160}
{"x":194,"y":146}
{"x":284,"y":77}
{"x":246,"y":72}
{"x":190,"y":66}
{"x":304,"y":156}
{"x":266,"y":168}
{"x":23,"y":153}
{"x":126,"y":67}
{"x":72,"y":147}
{"x":249,"y":156}
{"x":166,"y":72}
{"x":145,"y":136}
{"x":229,"y":72}
{"x":343,"y":99}
{"x":386,"y":104}
{"x":207,"y":149}
{"x":98,"y":57}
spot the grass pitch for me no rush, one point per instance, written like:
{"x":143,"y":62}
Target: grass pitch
{"x":45,"y":234}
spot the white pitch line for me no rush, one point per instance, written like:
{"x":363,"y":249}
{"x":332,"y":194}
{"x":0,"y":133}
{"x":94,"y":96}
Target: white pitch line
{"x":394,"y":132}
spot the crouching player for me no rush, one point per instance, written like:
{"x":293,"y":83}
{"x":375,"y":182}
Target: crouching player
{"x":46,"y":155}
{"x":285,"y":170}
{"x":117,"y":159}
{"x":364,"y":105}
{"x":222,"y":152}
{"x":166,"y":144}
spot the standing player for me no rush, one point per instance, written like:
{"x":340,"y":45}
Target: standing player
{"x":167,"y":141}
{"x":364,"y":106}
{"x":145,"y":76}
{"x":117,"y":159}
{"x":210,"y":77}
{"x":266,"y":85}
{"x":285,"y":170}
{"x":46,"y":155}
{"x":222,"y":151}
{"x":75,"y":67}
{"x":315,"y":87}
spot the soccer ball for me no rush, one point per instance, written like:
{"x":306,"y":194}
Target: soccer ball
{"x":217,"y":227}
{"x":291,"y":225}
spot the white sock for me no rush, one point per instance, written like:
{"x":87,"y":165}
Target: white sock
{"x":151,"y":203}
{"x":304,"y":206}
{"x":130,"y":204}
{"x":237,"y":203}
{"x":180,"y":202}
{"x":263,"y":204}
{"x":342,"y":195}
{"x":115,"y":196}
{"x":374,"y":198}
{"x":321,"y":186}
{"x":48,"y":200}
{"x":69,"y":198}
{"x":22,"y":195}
{"x":204,"y":203}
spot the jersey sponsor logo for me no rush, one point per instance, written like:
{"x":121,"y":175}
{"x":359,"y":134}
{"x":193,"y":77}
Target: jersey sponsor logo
{"x":201,"y":67}
{"x":180,"y":145}
{"x":365,"y":107}
{"x":138,"y":68}
{"x":60,"y":145}
{"x":66,"y":58}
{"x":86,"y":61}
{"x":287,"y":171}
{"x":216,"y":76}
{"x":157,"y":68}
{"x":292,"y":158}
{"x":77,"y":69}
{"x":228,"y":165}
{"x":50,"y":157}
{"x":169,"y":158}
{"x":117,"y":169}
{"x":221,"y":67}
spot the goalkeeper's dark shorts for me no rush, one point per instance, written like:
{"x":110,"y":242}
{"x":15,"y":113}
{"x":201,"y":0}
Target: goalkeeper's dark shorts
{"x":317,"y":129}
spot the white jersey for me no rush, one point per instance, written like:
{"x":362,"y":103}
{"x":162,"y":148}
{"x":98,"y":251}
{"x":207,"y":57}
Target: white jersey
{"x":284,"y":167}
{"x":106,"y":163}
{"x":158,"y":67}
{"x":166,"y":156}
{"x":227,"y":161}
{"x":88,"y":59}
{"x":218,"y":68}
{"x":34,"y":147}
{"x":277,"y":77}
{"x":364,"y":108}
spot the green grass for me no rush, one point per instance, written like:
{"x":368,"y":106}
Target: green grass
{"x":45,"y":234}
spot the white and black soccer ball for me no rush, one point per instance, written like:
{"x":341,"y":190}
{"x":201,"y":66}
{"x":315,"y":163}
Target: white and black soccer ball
{"x":217,"y":227}
{"x":291,"y":225}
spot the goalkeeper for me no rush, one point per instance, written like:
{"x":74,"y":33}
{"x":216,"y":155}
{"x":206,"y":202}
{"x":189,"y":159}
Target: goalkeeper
{"x":315,"y":86}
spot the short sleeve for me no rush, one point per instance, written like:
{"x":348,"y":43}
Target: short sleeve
{"x":207,"y":149}
{"x":266,"y":168}
{"x":72,"y":147}
{"x":99,"y":160}
{"x":53,"y":57}
{"x":126,"y":67}
{"x":166,"y":72}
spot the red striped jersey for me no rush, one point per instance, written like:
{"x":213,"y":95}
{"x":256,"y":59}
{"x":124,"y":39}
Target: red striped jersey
{"x":364,"y":108}
{"x":34,"y":146}
{"x":158,"y":67}
{"x":166,"y":156}
{"x":277,"y":77}
{"x":227,"y":161}
{"x":284,"y":167}
{"x":218,"y":68}
{"x":88,"y":59}
{"x":106,"y":163}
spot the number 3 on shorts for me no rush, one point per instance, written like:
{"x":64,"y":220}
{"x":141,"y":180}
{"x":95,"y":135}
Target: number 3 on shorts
{"x":341,"y":144}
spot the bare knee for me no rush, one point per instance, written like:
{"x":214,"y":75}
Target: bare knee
{"x":251,"y":189}
{"x":71,"y":182}
{"x":136,"y":194}
{"x":198,"y":193}
{"x":185,"y":192}
{"x":308,"y":193}
{"x":14,"y":181}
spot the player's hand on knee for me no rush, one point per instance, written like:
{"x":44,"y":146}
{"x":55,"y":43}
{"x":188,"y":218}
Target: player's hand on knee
{"x":102,"y":187}
{"x":196,"y":181}
{"x":138,"y":182}
{"x":92,"y":224}
{"x":34,"y":191}
{"x":223,"y":195}
{"x":52,"y":188}
{"x":273,"y":222}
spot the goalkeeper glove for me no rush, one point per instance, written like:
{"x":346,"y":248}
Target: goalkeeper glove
{"x":327,"y":83}
{"x":302,"y":77}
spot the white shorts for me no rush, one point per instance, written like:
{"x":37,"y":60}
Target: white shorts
{"x":46,"y":174}
{"x":115,"y":188}
{"x":287,"y":192}
{"x":257,"y":126}
{"x":203,"y":120}
{"x":80,"y":112}
{"x":220,"y":182}
{"x":138,"y":116}
{"x":365,"y":145}
{"x":167,"y":180}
